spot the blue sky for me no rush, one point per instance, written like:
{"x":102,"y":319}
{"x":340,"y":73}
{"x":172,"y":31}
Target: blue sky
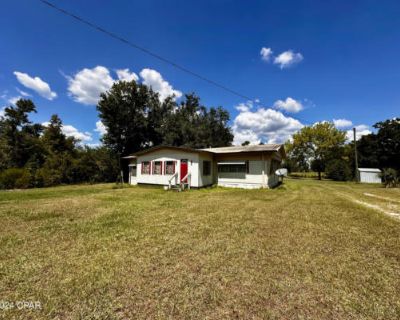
{"x":321,"y":60}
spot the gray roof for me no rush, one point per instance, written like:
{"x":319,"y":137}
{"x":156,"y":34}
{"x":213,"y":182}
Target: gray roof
{"x":369,"y":170}
{"x":237,"y":149}
{"x":233,"y":149}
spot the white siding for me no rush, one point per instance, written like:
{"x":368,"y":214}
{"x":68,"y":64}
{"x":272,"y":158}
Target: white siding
{"x":205,"y":180}
{"x":370,"y":177}
{"x":168,"y":155}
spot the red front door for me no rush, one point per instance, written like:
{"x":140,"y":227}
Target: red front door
{"x":184,"y":169}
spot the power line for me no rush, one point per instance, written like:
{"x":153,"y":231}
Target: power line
{"x":138,"y":47}
{"x":152,"y":54}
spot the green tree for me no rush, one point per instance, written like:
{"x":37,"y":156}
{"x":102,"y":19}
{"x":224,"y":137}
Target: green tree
{"x":18,"y":136}
{"x":54,"y":139}
{"x":135,"y":119}
{"x":317,"y":144}
{"x":193,"y":125}
{"x":338,"y":170}
{"x":124,"y":111}
{"x":381,"y":149}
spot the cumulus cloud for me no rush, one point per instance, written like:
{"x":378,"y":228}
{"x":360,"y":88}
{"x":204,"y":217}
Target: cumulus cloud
{"x":2,"y":112}
{"x":266,"y":54}
{"x":244,"y":106}
{"x":86,"y":85}
{"x":287,"y":59}
{"x":289,"y":105}
{"x":36,"y":84}
{"x":126,"y":75}
{"x":153,"y":78}
{"x":71,"y":131}
{"x":266,"y":125}
{"x":342,"y":123}
{"x":100,"y":128}
{"x":361,"y":130}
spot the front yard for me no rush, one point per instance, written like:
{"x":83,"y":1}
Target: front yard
{"x":306,"y":250}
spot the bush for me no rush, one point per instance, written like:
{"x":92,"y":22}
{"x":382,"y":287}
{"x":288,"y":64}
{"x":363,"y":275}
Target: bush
{"x":390,"y":178}
{"x":338,"y":170}
{"x":15,"y":178}
{"x":46,"y":177}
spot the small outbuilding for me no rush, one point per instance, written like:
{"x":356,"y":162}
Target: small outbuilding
{"x":369,"y":175}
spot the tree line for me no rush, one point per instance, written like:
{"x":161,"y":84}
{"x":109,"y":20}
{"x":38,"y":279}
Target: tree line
{"x":323,"y":148}
{"x":37,"y":155}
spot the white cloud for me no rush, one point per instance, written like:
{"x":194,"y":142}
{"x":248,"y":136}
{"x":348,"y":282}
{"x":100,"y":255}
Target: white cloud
{"x":266,"y":54}
{"x":126,"y":75}
{"x":244,"y":106}
{"x":86,"y":85}
{"x":13,"y":100}
{"x":153,"y":78}
{"x":71,"y":131}
{"x":267,"y":125}
{"x":288,"y":58}
{"x":361,"y":130}
{"x":2,"y":112}
{"x":100,"y":128}
{"x":36,"y":84}
{"x":23,"y":93}
{"x":289,"y":105}
{"x":342,"y":123}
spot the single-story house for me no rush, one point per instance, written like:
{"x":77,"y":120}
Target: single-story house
{"x":369,"y":175}
{"x":237,"y":166}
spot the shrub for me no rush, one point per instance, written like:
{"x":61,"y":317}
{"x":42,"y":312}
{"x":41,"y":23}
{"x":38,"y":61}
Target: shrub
{"x":390,"y":178}
{"x":15,"y":178}
{"x":46,"y":177}
{"x":338,"y":170}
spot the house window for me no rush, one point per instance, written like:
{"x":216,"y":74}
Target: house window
{"x":169,"y":167}
{"x":206,"y":168}
{"x":146,"y":167}
{"x":157,"y":167}
{"x":235,"y":168}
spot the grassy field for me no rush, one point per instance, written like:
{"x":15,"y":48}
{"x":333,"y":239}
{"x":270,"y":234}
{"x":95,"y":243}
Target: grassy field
{"x":306,"y":250}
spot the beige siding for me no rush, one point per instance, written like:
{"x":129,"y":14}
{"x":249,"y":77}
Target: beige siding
{"x":259,"y":171}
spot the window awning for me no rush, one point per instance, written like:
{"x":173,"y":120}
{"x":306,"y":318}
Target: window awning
{"x":227,"y":163}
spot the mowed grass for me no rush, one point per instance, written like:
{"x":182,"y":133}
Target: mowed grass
{"x":302,"y":251}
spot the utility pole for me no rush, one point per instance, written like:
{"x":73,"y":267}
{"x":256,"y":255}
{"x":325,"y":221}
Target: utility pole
{"x":355,"y":153}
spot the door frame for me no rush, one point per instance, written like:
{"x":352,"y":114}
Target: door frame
{"x":180,"y":169}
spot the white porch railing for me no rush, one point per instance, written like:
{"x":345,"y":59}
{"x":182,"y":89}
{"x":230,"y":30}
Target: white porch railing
{"x":186,"y":181}
{"x":186,"y":178}
{"x":174,"y":176}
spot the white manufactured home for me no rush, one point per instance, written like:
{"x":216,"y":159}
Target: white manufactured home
{"x":238,"y":166}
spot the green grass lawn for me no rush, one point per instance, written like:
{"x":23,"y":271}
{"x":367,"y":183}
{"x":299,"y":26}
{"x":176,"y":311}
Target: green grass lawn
{"x":305,"y":250}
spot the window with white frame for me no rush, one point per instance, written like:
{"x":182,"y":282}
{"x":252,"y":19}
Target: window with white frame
{"x":157,"y":167}
{"x":169,"y":167}
{"x":146,"y":167}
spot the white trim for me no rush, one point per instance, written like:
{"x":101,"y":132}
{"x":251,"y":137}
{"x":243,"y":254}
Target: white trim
{"x":223,"y":163}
